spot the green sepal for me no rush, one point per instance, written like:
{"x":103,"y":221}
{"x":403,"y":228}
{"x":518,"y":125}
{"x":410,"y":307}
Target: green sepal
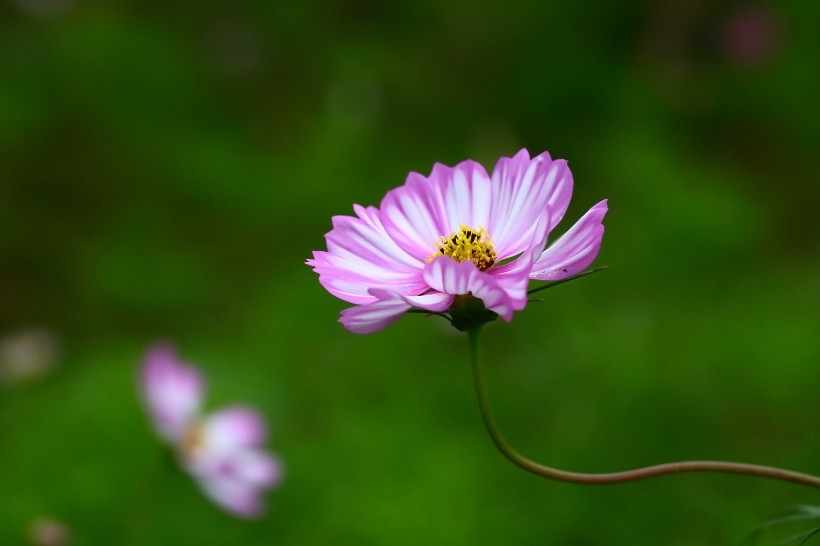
{"x":469,"y":313}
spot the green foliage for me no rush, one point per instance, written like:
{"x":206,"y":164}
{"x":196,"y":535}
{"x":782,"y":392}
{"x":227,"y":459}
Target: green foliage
{"x":794,"y":514}
{"x":166,"y":168}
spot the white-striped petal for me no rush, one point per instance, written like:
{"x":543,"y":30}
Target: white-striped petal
{"x":523,"y":190}
{"x":361,"y":256}
{"x":464,"y":278}
{"x":417,"y":214}
{"x":372,"y":317}
{"x":575,"y":250}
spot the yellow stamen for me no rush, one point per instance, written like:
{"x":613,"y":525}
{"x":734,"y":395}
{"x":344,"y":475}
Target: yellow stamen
{"x":467,"y":244}
{"x":193,"y":439}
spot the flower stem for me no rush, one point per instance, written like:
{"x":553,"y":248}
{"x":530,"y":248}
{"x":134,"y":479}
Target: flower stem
{"x":613,"y":477}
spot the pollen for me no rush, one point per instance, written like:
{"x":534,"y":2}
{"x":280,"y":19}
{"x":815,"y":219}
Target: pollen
{"x":467,"y":244}
{"x":193,"y":439}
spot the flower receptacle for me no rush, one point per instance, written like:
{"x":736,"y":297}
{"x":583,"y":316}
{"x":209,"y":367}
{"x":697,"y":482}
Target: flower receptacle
{"x":469,"y":313}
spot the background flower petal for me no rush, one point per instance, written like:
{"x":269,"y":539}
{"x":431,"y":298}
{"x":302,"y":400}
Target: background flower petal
{"x":235,"y":496}
{"x":257,"y":467}
{"x":252,"y":466}
{"x":234,"y":426}
{"x":172,"y":390}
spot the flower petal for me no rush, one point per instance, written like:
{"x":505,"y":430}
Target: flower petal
{"x":514,"y":276}
{"x":361,"y":255}
{"x":260,"y":468}
{"x":235,"y":496}
{"x":372,"y":317}
{"x":574,"y":250}
{"x":234,"y":426}
{"x":172,"y":391}
{"x":462,"y":278}
{"x":366,"y":319}
{"x":249,"y":465}
{"x":417,"y":214}
{"x":522,"y":190}
{"x":435,"y":302}
{"x":257,"y":467}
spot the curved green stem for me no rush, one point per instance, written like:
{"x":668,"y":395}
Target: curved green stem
{"x":614,"y":477}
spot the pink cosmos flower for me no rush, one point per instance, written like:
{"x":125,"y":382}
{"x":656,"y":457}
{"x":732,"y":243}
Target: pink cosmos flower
{"x":222,"y":451}
{"x":456,"y":234}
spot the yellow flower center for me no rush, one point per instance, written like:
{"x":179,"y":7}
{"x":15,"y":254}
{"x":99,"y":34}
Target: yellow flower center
{"x":193,"y":439}
{"x":467,"y":244}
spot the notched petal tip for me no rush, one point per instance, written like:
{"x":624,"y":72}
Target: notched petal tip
{"x":575,"y":250}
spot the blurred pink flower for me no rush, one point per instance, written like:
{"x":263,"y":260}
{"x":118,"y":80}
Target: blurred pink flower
{"x":47,"y":531}
{"x":753,"y":34}
{"x":222,"y":451}
{"x":457,"y":233}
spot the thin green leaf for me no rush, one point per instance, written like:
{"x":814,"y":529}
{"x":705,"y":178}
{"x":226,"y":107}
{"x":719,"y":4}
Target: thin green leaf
{"x":800,"y":512}
{"x":430,"y":313}
{"x":801,"y":537}
{"x":809,"y":535}
{"x":795,"y":513}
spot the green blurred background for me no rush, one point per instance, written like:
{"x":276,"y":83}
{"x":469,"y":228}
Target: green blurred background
{"x":167,"y":167}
